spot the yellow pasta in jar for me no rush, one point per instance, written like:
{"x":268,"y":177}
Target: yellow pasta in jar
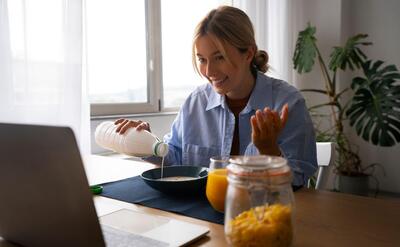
{"x":262,"y":226}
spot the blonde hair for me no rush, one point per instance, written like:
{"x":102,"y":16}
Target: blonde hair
{"x":231,"y":25}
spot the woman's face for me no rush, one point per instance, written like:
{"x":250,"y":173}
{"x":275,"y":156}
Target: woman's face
{"x":233,"y":79}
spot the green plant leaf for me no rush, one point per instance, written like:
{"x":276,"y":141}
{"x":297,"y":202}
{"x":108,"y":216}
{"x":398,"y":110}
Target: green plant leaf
{"x":305,"y":51}
{"x":350,"y":55}
{"x":374,"y":109}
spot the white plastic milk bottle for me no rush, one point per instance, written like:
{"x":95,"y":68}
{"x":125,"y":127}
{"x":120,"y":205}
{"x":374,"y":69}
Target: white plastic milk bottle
{"x":135,"y":143}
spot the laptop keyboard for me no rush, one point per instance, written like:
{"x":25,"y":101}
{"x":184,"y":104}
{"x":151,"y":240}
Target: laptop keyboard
{"x":118,"y":238}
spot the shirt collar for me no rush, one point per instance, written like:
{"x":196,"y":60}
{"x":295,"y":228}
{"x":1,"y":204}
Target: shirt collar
{"x":261,"y":96}
{"x":214,"y":99}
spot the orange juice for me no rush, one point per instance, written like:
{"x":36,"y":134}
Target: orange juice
{"x":216,"y":188}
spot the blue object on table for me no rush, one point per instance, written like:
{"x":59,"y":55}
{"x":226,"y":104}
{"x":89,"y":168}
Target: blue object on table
{"x":134,"y":190}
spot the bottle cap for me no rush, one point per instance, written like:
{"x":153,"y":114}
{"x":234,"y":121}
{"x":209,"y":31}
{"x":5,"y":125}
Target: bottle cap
{"x":96,"y":189}
{"x":160,"y":149}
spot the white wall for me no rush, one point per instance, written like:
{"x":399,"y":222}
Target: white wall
{"x":381,"y":20}
{"x":325,"y":15}
{"x":336,"y":20}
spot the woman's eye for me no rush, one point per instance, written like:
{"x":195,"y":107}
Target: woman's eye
{"x":201,"y":60}
{"x":219,"y":58}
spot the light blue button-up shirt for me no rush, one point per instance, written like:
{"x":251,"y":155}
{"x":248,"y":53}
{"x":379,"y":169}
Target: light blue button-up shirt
{"x":204,"y":127}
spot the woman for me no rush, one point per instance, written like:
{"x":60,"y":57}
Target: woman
{"x":237,"y":112}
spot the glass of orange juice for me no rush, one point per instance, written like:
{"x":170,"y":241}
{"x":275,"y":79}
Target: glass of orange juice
{"x":217,"y":182}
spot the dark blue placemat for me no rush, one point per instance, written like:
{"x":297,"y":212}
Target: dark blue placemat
{"x":134,"y":190}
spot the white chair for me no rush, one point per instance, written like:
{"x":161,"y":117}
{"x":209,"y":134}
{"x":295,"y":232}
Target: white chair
{"x":325,"y":159}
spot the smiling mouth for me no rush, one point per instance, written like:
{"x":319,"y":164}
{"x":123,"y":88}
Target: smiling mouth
{"x":218,"y":83}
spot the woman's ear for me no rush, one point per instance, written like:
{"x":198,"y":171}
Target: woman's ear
{"x":250,"y":53}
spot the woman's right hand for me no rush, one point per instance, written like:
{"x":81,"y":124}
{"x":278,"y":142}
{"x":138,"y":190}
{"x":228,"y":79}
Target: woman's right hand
{"x":125,"y":124}
{"x":266,"y":126}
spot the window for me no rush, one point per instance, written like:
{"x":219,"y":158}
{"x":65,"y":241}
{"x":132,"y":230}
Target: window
{"x":36,"y":50}
{"x":117,"y":57}
{"x":138,"y":53}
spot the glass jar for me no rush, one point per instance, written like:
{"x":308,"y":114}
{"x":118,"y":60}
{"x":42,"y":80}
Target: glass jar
{"x":259,"y":209}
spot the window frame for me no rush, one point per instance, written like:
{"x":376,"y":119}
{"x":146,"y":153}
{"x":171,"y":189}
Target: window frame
{"x":153,"y":67}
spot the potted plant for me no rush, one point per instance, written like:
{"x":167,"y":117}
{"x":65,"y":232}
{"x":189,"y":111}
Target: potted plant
{"x":371,"y":106}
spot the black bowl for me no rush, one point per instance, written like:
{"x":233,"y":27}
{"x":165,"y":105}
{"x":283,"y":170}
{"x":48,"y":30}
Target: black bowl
{"x":194,"y":186}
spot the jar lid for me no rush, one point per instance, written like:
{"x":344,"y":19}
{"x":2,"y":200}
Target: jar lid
{"x":260,"y":166}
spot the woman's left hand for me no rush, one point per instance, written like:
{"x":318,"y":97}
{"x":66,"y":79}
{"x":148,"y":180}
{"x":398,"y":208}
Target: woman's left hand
{"x":266,"y":127}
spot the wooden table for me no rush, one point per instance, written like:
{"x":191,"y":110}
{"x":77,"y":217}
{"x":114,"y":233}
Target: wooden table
{"x":323,"y":218}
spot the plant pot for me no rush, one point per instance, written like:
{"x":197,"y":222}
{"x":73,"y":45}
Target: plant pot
{"x":358,"y":185}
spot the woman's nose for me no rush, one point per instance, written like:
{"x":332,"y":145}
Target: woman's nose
{"x":210,"y":70}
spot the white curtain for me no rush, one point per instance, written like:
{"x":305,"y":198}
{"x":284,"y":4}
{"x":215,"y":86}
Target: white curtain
{"x":41,"y":78}
{"x":275,"y":33}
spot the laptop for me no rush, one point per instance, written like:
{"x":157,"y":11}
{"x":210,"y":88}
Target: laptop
{"x":46,"y":201}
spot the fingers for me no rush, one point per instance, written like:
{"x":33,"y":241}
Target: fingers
{"x":125,"y":124}
{"x":120,"y":120}
{"x":254,"y":126}
{"x":121,"y":124}
{"x":268,"y":121}
{"x":143,"y":126}
{"x":262,"y":122}
{"x":284,"y":115}
{"x":260,"y":119}
{"x":274,"y":120}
